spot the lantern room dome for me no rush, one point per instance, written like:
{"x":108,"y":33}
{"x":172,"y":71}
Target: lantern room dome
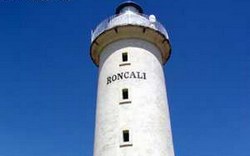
{"x":129,"y":5}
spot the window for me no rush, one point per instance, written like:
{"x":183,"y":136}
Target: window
{"x":124,"y":60}
{"x":124,"y":57}
{"x":125,"y":97}
{"x":126,"y":139}
{"x":124,"y":94}
{"x":126,"y":136}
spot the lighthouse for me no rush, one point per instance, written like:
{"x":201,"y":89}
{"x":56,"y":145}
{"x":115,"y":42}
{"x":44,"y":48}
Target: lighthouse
{"x":132,"y":113}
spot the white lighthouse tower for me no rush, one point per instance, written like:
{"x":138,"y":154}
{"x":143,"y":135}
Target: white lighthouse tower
{"x":132,"y":115}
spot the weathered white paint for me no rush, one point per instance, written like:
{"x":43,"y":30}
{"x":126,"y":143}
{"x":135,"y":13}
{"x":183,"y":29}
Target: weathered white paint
{"x":146,"y":117}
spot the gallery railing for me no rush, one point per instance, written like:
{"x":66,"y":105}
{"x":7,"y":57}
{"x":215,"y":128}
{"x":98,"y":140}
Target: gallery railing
{"x":127,"y":19}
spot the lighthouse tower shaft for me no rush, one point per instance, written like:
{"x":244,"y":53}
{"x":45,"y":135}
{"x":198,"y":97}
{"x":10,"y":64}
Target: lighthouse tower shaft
{"x":132,"y":116}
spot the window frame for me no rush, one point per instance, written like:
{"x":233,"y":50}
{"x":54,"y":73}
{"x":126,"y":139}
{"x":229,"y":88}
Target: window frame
{"x":125,"y":57}
{"x":123,"y":142}
{"x":125,"y":136}
{"x":125,"y":94}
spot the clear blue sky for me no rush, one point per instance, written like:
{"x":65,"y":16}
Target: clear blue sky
{"x":48,"y":82}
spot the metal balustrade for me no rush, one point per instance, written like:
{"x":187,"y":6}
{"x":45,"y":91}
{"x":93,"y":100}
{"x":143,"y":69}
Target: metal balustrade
{"x":127,"y":18}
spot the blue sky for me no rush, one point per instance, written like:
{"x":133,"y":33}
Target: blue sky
{"x":48,"y":82}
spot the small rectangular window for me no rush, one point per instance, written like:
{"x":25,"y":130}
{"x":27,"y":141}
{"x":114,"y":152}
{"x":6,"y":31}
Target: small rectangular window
{"x":125,"y":136}
{"x":124,"y":94}
{"x":124,"y":57}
